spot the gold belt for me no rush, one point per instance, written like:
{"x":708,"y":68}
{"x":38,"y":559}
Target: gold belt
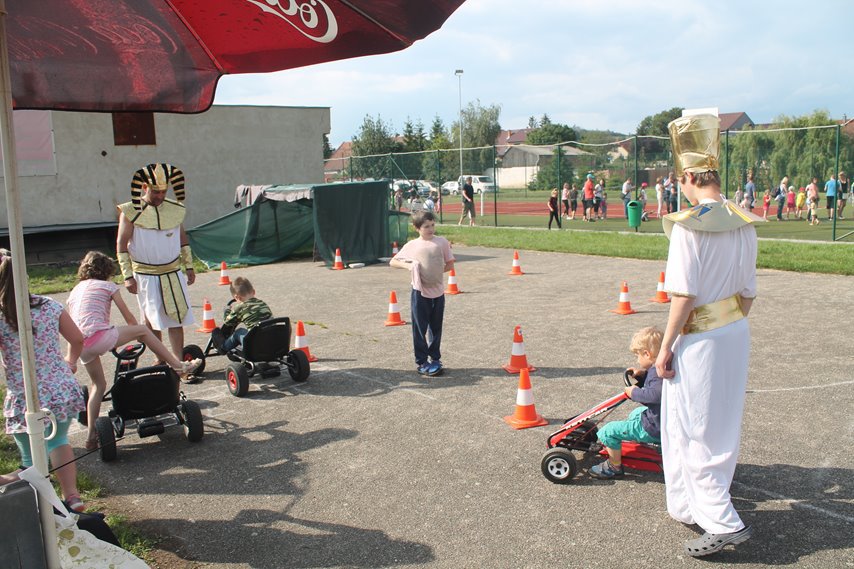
{"x":171,"y":292}
{"x":150,"y":269}
{"x":714,"y":315}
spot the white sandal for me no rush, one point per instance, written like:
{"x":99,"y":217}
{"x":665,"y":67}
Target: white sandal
{"x":188,"y":367}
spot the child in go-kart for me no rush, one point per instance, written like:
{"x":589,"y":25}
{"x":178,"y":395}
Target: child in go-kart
{"x":247,"y":310}
{"x":644,"y":423}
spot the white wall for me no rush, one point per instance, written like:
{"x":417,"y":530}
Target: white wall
{"x":517,"y":177}
{"x":217,"y":150}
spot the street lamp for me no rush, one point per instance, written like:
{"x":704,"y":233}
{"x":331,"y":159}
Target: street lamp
{"x":459,"y":74}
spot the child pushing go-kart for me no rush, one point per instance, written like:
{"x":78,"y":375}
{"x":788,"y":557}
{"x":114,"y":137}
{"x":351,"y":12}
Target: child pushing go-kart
{"x":644,"y":423}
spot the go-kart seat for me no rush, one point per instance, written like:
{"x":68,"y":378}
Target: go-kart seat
{"x":146,"y":392}
{"x":268,"y":341}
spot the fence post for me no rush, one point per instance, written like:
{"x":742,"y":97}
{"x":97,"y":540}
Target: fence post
{"x":351,"y":168}
{"x":836,"y":194}
{"x":495,"y":182}
{"x":439,"y":181}
{"x":636,"y":167}
{"x":726,"y":158}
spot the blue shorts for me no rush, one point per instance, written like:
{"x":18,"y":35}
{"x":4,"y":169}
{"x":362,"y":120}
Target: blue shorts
{"x":61,"y":438}
{"x":613,"y":433}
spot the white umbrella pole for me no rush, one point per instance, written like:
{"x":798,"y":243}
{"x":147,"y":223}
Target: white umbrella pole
{"x":34,"y":416}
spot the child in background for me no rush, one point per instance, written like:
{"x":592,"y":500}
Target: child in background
{"x":800,"y":202}
{"x":89,"y":306}
{"x":554,"y":209}
{"x":57,"y":387}
{"x":790,"y":201}
{"x":428,"y":258}
{"x":644,"y":423}
{"x":247,"y":310}
{"x":766,"y":204}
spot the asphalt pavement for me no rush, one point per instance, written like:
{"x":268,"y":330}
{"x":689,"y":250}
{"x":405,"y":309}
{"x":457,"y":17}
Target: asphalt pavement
{"x":368,"y":464}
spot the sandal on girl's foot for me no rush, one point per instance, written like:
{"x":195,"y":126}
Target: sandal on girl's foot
{"x":710,"y":543}
{"x":189,"y":366}
{"x":75,"y":504}
{"x":92,"y":444}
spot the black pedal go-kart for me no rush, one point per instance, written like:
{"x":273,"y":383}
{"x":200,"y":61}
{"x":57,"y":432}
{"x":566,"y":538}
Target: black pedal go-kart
{"x":147,"y":399}
{"x":578,"y":434}
{"x":266,"y":348}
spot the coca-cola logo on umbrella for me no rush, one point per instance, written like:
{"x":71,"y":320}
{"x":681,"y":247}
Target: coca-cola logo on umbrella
{"x":312,"y":18}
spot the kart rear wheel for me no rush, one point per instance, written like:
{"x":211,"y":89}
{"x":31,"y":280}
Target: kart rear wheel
{"x":298,"y":365}
{"x":191,"y":352}
{"x":106,"y":439}
{"x":237,"y":379}
{"x":83,"y":416}
{"x":559,"y":465}
{"x":191,"y":417}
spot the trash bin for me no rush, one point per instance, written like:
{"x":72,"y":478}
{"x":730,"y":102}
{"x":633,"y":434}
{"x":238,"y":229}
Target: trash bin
{"x":635,"y":210}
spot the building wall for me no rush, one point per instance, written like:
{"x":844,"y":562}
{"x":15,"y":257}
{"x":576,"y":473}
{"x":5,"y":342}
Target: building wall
{"x":516,"y":177}
{"x":217,"y":150}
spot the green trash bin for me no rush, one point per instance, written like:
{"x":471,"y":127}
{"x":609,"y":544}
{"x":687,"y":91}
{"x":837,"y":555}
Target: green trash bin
{"x":635,"y":211}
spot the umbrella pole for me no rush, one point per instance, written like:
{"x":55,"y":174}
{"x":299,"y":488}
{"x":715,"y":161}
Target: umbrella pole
{"x":35,"y":416}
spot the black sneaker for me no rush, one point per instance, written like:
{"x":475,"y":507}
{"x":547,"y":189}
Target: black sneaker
{"x":217,"y":339}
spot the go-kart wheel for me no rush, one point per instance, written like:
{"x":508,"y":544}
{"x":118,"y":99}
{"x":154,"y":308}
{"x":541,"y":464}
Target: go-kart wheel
{"x":191,"y":417}
{"x":191,"y":352}
{"x":83,"y":416}
{"x":106,"y":438}
{"x":298,"y":365}
{"x":559,"y":465}
{"x":237,"y":379}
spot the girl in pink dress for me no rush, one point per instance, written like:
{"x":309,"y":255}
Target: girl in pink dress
{"x":57,"y":387}
{"x":89,"y":305}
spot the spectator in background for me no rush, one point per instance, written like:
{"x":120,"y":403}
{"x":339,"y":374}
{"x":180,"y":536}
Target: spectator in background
{"x":626,"y":194}
{"x":842,"y":196}
{"x":780,"y":196}
{"x":587,"y":199}
{"x":800,"y":201}
{"x":667,"y":184}
{"x":565,"y":199}
{"x":738,"y":197}
{"x":830,"y":193}
{"x":674,"y":193}
{"x":812,"y":202}
{"x":642,"y":196}
{"x":554,"y":209}
{"x":659,"y":195}
{"x":573,"y":200}
{"x":598,"y":189}
{"x":603,"y":204}
{"x":749,"y":193}
{"x":790,"y":201}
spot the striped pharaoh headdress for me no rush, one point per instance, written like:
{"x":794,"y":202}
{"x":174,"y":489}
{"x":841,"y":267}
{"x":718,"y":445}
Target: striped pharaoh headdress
{"x":158,"y":176}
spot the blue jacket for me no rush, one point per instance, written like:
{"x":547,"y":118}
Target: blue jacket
{"x":650,"y":395}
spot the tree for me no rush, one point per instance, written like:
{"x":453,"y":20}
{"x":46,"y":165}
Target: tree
{"x":551,"y":133}
{"x":439,"y":165}
{"x":547,"y":176}
{"x":480,"y":128}
{"x":375,"y":139}
{"x":656,"y":125}
{"x":532,"y":122}
{"x":327,"y":149}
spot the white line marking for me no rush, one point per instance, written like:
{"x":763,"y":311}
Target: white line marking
{"x":796,"y":503}
{"x":803,"y":387}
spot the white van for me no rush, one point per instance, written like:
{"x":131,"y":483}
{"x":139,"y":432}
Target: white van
{"x":481,"y":184}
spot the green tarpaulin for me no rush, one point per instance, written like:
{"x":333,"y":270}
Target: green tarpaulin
{"x":353,"y":217}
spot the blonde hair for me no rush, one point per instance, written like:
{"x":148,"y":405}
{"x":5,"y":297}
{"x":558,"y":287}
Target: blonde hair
{"x":648,"y":338}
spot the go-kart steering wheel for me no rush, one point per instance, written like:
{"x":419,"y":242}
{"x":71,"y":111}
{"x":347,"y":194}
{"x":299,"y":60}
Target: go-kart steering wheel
{"x":632,"y":381}
{"x":129,"y":352}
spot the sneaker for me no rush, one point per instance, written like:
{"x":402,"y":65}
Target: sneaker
{"x":217,"y":338}
{"x":435,"y":368}
{"x":424,"y":369}
{"x":606,"y":471}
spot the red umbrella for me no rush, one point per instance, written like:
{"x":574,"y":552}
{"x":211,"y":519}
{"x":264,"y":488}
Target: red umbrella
{"x":157,"y":55}
{"x":167,"y":56}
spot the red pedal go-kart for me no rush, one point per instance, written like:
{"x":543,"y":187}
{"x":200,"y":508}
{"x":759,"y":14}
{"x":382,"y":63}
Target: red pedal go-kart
{"x":579,"y":434}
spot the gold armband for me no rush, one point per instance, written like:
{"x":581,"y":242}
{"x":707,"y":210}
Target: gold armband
{"x":186,"y":257}
{"x":125,"y":264}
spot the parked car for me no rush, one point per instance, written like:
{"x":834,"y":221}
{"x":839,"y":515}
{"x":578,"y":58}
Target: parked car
{"x":451,"y":187}
{"x":481,"y":184}
{"x":424,"y":188}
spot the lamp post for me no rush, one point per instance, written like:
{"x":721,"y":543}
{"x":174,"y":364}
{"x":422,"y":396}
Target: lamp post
{"x":459,"y":74}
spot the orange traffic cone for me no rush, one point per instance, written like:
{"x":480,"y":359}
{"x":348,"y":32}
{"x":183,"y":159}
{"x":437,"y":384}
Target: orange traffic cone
{"x":660,"y":295}
{"x":452,"y":283}
{"x":339,"y":264}
{"x":223,"y":274}
{"x":393,"y":312}
{"x":394,"y":249}
{"x":516,"y":269}
{"x":300,"y":342}
{"x":518,"y":360}
{"x":525,"y":415}
{"x":208,"y":323}
{"x":624,"y":306}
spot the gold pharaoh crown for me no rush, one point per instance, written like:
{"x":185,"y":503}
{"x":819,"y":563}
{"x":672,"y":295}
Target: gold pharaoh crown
{"x":158,"y":176}
{"x":696,"y":143}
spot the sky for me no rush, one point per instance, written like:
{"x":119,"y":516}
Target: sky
{"x":598,"y":64}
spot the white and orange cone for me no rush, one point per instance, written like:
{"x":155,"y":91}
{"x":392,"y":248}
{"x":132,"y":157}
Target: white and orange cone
{"x":300,"y":343}
{"x":624,"y":306}
{"x":516,"y":269}
{"x":525,"y":415}
{"x":452,"y":283}
{"x":208,"y":323}
{"x":394,"y":249}
{"x":339,"y":264}
{"x":394,"y":318}
{"x":223,"y":274}
{"x":660,"y":294}
{"x":518,"y":360}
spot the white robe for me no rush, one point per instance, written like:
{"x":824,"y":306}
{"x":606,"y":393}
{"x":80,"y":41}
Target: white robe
{"x":156,"y":246}
{"x":702,"y":406}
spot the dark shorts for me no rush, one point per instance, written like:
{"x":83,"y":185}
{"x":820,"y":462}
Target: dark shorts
{"x":830,"y":200}
{"x":573,"y":204}
{"x":468,"y":207}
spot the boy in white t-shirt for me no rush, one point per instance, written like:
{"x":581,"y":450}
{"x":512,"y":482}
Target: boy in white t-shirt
{"x":428,"y":258}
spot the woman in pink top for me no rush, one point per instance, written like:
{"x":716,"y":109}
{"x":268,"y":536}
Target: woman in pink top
{"x":89,"y":305}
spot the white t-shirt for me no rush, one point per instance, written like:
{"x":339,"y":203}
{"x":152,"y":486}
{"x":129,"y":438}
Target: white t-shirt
{"x":432,"y":256}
